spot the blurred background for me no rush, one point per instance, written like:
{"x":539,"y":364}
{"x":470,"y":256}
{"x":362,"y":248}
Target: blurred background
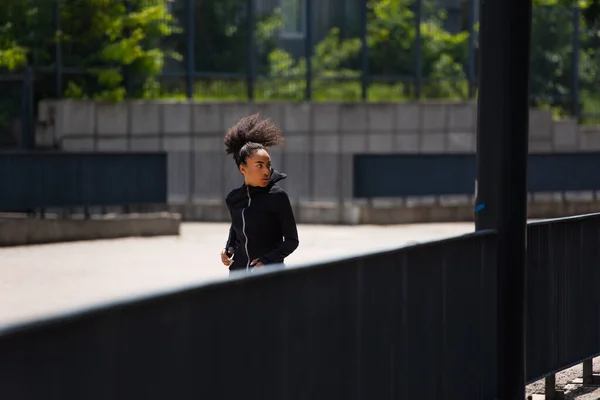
{"x":343,"y":78}
{"x":111,"y":107}
{"x":336,"y":50}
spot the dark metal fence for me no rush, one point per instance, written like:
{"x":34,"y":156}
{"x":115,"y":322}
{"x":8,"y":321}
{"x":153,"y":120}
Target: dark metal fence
{"x":31,"y":181}
{"x":385,"y":325}
{"x":454,"y":174}
{"x":418,"y":322}
{"x":563,"y":300}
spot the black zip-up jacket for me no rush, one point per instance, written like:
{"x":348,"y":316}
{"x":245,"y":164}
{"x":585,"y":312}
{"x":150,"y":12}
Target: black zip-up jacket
{"x":262,"y":224}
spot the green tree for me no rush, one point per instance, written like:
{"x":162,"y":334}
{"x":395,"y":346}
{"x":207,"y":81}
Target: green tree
{"x":12,"y":56}
{"x":553,"y":72}
{"x":22,"y":37}
{"x":391,"y":40}
{"x":330,"y":62}
{"x":102,"y":38}
{"x":590,"y":8}
{"x":551,"y":54}
{"x":221,"y":37}
{"x":392,"y":47}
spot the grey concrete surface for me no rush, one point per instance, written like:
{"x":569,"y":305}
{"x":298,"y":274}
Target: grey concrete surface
{"x":16,"y":231}
{"x":413,"y":127}
{"x":387,"y":211}
{"x":569,"y":381}
{"x":42,"y":279}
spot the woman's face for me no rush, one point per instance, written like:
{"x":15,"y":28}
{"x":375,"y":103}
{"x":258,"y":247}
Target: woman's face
{"x":257,"y":170}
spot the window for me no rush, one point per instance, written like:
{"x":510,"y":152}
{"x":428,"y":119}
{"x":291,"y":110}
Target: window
{"x":292,"y":12}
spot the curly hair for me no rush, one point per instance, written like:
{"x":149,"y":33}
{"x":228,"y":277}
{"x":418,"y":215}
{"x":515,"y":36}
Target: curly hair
{"x":249,"y":134}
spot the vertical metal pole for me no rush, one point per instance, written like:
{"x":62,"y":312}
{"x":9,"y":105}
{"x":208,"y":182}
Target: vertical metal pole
{"x":27,"y":127}
{"x":345,"y":17}
{"x":191,"y":49}
{"x":127,"y":68}
{"x":502,"y":146}
{"x":192,"y":157}
{"x":364,"y":50}
{"x":550,"y":386}
{"x":588,"y":371}
{"x":419,"y":48}
{"x":129,"y":126}
{"x":30,"y":108}
{"x":575,"y":62}
{"x":308,"y":48}
{"x":550,"y":389}
{"x":251,"y":62}
{"x":58,"y":51}
{"x":472,"y":55}
{"x":24,"y":115}
{"x":191,"y":72}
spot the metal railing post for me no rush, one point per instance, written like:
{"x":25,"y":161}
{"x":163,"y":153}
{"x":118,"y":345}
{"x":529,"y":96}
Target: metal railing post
{"x":419,"y":50}
{"x":589,"y":378}
{"x":575,"y":63}
{"x":472,"y":56}
{"x":251,"y":54}
{"x":191,"y":49}
{"x":364,"y":51}
{"x":58,"y":61}
{"x":308,"y":49}
{"x":550,"y":389}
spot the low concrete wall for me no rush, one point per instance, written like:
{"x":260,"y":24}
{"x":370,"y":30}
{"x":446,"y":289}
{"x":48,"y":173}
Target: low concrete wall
{"x":321,"y":139}
{"x":410,"y":127}
{"x":15,"y":231}
{"x":396,"y":211}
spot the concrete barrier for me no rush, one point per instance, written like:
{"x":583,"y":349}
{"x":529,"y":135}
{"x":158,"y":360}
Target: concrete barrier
{"x":394,"y":211}
{"x":321,"y":139}
{"x":19,"y":231}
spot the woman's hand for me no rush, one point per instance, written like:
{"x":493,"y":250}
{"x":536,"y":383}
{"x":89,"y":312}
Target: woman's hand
{"x":225,"y":259}
{"x":256,"y":264}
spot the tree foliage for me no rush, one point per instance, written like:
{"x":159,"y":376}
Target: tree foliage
{"x":556,"y":64}
{"x":392,"y":52}
{"x":223,"y":40}
{"x":102,"y":39}
{"x":392,"y":45}
{"x":109,"y":46}
{"x":590,"y":8}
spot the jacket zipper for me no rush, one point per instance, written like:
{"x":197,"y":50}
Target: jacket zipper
{"x":244,"y":228}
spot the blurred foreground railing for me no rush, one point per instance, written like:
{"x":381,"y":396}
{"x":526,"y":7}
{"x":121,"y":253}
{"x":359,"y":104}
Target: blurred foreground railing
{"x":563,"y":300}
{"x":417,"y":322}
{"x":372,"y":326}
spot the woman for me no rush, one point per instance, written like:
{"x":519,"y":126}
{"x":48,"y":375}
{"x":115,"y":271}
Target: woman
{"x":263,"y":228}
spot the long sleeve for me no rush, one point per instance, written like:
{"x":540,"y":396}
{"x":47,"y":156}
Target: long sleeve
{"x":230,"y":239}
{"x":289,"y":230}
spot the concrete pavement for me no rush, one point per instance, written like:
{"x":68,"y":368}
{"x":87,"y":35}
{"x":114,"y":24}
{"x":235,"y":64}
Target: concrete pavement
{"x":46,"y":279}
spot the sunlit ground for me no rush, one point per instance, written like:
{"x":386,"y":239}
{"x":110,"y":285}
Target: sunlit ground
{"x":43,"y":279}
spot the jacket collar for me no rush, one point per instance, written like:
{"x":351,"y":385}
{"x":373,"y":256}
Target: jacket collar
{"x":276,"y":176}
